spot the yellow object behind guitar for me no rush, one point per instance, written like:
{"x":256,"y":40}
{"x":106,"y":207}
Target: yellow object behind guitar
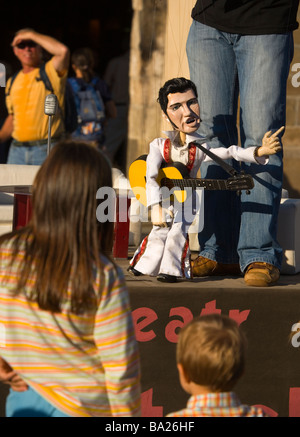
{"x":166,"y":177}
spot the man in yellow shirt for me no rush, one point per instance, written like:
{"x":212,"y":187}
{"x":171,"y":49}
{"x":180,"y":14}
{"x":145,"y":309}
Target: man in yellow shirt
{"x":26,"y":122}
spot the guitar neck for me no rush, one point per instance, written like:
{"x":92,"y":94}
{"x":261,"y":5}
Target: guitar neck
{"x":208,"y":184}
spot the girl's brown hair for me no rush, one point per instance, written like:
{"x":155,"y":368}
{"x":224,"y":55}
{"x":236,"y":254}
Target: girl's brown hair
{"x":63,"y":239}
{"x":211,"y":350}
{"x":83,"y":59}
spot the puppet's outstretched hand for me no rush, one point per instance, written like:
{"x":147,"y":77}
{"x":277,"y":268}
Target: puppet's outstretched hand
{"x":270,"y":143}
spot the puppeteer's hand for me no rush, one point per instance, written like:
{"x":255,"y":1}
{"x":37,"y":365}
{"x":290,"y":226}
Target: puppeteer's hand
{"x":158,"y":215}
{"x":10,"y":377}
{"x":23,"y":34}
{"x":270,"y":143}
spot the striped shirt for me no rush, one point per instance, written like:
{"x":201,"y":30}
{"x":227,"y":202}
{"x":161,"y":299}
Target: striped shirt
{"x":224,"y":404}
{"x":85,"y":365}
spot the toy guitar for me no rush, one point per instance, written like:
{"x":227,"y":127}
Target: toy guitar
{"x":177,"y":177}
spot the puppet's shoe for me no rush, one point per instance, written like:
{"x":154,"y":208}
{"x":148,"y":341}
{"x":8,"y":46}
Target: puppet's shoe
{"x":202,"y":266}
{"x":134,"y":272}
{"x":260,"y":274}
{"x":163,"y":277}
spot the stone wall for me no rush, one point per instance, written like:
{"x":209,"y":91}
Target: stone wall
{"x":146,"y":74}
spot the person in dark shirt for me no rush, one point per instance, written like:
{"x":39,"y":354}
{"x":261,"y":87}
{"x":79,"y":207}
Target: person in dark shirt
{"x":239,"y":54}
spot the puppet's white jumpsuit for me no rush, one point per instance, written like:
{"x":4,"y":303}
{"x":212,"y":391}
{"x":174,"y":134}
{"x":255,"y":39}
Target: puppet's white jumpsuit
{"x":166,"y":249}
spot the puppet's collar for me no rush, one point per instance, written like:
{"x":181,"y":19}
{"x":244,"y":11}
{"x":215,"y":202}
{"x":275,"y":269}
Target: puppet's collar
{"x":174,"y":136}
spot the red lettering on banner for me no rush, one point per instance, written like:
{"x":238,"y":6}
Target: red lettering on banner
{"x":170,"y":331}
{"x":267,"y":410}
{"x":210,"y":308}
{"x":144,"y":316}
{"x":148,"y":410}
{"x":294,"y":404}
{"x":148,"y":315}
{"x":239,"y":316}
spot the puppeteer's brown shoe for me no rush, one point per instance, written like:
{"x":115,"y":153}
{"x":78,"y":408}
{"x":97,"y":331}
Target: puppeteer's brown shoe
{"x":202,"y":266}
{"x":260,"y":274}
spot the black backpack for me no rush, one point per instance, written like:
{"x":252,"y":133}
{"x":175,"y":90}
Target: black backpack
{"x":70,"y":118}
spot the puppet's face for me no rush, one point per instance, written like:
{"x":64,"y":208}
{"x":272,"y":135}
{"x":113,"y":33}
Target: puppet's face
{"x":183,"y":110}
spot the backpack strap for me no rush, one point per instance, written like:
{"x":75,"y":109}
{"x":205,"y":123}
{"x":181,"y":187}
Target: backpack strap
{"x":94,"y":81}
{"x":99,"y":100}
{"x":46,"y":81}
{"x":74,"y":84}
{"x":11,"y":82}
{"x":44,"y":77}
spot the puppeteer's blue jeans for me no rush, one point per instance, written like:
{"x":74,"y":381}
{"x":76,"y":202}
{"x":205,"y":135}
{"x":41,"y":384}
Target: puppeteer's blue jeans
{"x":256,"y":67}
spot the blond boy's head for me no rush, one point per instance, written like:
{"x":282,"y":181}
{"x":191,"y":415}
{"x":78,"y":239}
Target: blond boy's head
{"x":211,"y":353}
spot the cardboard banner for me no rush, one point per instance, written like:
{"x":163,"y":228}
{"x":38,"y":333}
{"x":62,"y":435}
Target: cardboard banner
{"x":269,"y":319}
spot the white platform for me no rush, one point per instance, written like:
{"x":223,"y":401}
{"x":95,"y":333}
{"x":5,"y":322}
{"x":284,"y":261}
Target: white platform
{"x":24,"y":175}
{"x":11,"y":174}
